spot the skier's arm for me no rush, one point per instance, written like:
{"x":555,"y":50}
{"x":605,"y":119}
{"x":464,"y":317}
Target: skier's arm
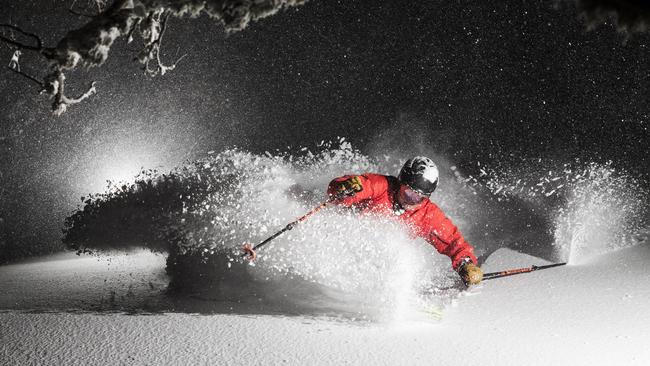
{"x":350,"y":189}
{"x":448,"y":240}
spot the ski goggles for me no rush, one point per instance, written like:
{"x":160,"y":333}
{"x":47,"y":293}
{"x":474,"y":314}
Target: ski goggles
{"x":409,"y":196}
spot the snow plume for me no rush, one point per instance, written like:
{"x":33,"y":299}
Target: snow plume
{"x":202,"y":213}
{"x":592,"y":208}
{"x":604,"y":211}
{"x":629,"y":15}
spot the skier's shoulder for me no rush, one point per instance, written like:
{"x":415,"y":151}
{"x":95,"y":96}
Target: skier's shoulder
{"x":375,"y":177}
{"x":431,"y":209}
{"x":381,"y":182}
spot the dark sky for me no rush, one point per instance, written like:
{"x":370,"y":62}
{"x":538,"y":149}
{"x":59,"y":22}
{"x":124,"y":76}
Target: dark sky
{"x":477,"y":80}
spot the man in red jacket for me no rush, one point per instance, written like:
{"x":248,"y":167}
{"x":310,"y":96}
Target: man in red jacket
{"x":407,"y":198}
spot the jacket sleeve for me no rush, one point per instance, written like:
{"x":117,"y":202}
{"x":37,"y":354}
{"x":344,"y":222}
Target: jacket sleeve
{"x":366,"y":189}
{"x":447,"y":239}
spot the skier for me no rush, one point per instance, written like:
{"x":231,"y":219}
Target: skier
{"x":407,"y":197}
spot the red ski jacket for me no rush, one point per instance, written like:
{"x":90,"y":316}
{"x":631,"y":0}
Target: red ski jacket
{"x":377,"y":195}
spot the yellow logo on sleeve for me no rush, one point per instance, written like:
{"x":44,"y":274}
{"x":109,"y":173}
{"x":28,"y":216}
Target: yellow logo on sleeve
{"x":351,"y":185}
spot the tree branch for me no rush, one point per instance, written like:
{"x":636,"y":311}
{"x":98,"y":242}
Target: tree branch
{"x":61,"y":101}
{"x":40,"y":83}
{"x":161,"y":66}
{"x":152,"y":47}
{"x":91,"y":90}
{"x":72,"y":11}
{"x":39,"y":44}
{"x":129,"y":35}
{"x":99,"y":4}
{"x":89,"y":45}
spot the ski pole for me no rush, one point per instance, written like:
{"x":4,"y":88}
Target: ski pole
{"x":249,"y":251}
{"x":510,"y":272}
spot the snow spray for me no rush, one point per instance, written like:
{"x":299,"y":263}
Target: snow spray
{"x":592,"y":208}
{"x":202,"y":213}
{"x":339,"y":262}
{"x":604,"y":211}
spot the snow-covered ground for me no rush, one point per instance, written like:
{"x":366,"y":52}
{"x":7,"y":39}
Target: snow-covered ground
{"x":113,"y":310}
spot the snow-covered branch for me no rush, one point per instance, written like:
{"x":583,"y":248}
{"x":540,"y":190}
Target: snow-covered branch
{"x":61,"y":102}
{"x":154,"y":29}
{"x":100,"y":4}
{"x":90,"y":45}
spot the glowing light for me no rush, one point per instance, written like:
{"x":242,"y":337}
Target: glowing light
{"x":121,"y":162}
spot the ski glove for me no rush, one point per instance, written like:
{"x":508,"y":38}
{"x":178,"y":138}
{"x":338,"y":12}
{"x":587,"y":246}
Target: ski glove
{"x":470,"y":273}
{"x":348,"y":187}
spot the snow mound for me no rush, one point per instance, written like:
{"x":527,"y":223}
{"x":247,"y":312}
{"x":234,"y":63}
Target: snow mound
{"x":589,"y":314}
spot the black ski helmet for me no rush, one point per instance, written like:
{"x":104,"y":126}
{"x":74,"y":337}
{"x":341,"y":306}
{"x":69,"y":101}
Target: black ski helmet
{"x":420,"y":174}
